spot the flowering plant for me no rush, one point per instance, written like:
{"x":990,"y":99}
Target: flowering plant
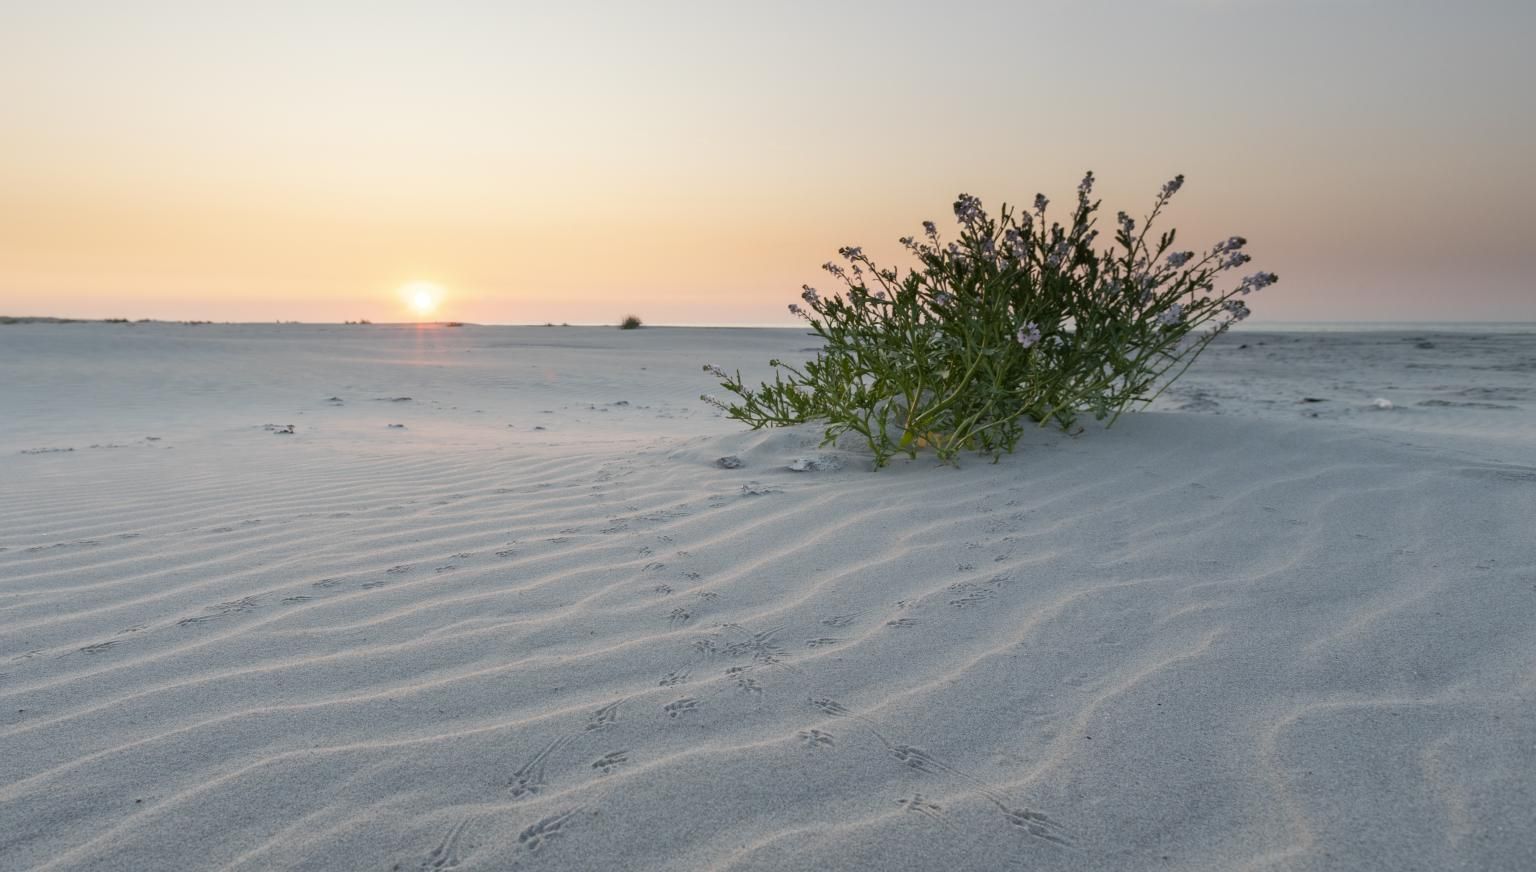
{"x":1014,"y":320}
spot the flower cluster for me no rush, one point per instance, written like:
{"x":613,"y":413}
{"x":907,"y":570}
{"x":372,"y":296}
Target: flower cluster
{"x":1014,"y":320}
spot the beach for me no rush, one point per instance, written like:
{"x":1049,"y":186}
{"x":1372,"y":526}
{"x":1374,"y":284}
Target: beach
{"x":426,"y":597}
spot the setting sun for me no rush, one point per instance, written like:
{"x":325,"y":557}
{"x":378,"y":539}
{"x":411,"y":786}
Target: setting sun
{"x":422,"y":297}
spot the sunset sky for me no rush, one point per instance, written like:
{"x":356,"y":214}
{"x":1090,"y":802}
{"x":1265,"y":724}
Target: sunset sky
{"x":694,"y":162}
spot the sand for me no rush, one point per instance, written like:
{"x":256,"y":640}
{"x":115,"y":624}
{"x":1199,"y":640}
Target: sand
{"x":536,"y":626}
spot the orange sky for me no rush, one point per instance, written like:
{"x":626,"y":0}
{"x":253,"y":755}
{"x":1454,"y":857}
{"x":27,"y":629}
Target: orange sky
{"x":695,"y":162}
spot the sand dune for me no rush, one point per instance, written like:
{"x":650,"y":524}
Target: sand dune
{"x":538,"y":627}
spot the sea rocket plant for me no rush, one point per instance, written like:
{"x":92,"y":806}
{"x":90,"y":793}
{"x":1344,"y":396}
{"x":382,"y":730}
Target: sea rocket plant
{"x":1013,"y":320}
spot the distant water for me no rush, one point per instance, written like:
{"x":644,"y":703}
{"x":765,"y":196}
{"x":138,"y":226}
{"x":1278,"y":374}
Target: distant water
{"x":1281,"y":326}
{"x":1394,"y":326}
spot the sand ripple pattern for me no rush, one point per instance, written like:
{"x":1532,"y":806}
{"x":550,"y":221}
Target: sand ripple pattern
{"x":1188,"y":643}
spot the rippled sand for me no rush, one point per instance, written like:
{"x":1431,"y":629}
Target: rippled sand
{"x":536,"y":626}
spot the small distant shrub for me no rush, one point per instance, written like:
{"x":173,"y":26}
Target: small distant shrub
{"x":114,"y":320}
{"x":630,"y":322}
{"x":1014,"y":321}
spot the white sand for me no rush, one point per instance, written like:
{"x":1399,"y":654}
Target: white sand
{"x":1249,"y":640}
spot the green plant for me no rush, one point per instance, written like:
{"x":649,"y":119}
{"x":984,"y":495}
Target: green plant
{"x":1014,"y":321}
{"x":630,"y":322}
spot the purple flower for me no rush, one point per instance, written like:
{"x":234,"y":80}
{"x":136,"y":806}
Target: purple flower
{"x":851,"y":251}
{"x":1085,"y":187}
{"x":968,"y":210}
{"x":833,"y":268}
{"x":1028,"y":335}
{"x":794,"y":309}
{"x":715,"y":371}
{"x":1233,"y":259}
{"x":1171,"y":187}
{"x":1014,"y":240}
{"x":1179,"y":258}
{"x":931,"y":230}
{"x":1041,"y":202}
{"x":808,"y":294}
{"x":1171,"y":316}
{"x":1258,"y":281}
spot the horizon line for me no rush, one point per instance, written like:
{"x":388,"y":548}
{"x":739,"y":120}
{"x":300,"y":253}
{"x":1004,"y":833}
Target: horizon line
{"x":1253,"y":323}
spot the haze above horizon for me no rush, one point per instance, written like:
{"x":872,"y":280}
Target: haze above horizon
{"x":696,"y":162}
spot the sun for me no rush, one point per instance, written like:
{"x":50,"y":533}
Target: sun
{"x":423,"y":298}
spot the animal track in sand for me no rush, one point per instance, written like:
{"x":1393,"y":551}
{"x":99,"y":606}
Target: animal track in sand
{"x":917,"y":758}
{"x":370,"y":585}
{"x":816,"y":738}
{"x":841,"y":620}
{"x":1035,"y":824}
{"x":830,"y":707}
{"x":673,"y":678}
{"x":681,"y":706}
{"x":679,"y":615}
{"x":547,"y":828}
{"x":244,"y":604}
{"x":604,"y":717}
{"x":918,"y":804}
{"x":823,"y":642}
{"x":326,"y":582}
{"x":975,"y":596}
{"x":98,"y":648}
{"x":749,"y":686}
{"x":902,"y":623}
{"x":662,"y":589}
{"x":529,"y":779}
{"x":400,"y":568}
{"x":610,"y":762}
{"x":762,"y":646}
{"x":446,"y":854}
